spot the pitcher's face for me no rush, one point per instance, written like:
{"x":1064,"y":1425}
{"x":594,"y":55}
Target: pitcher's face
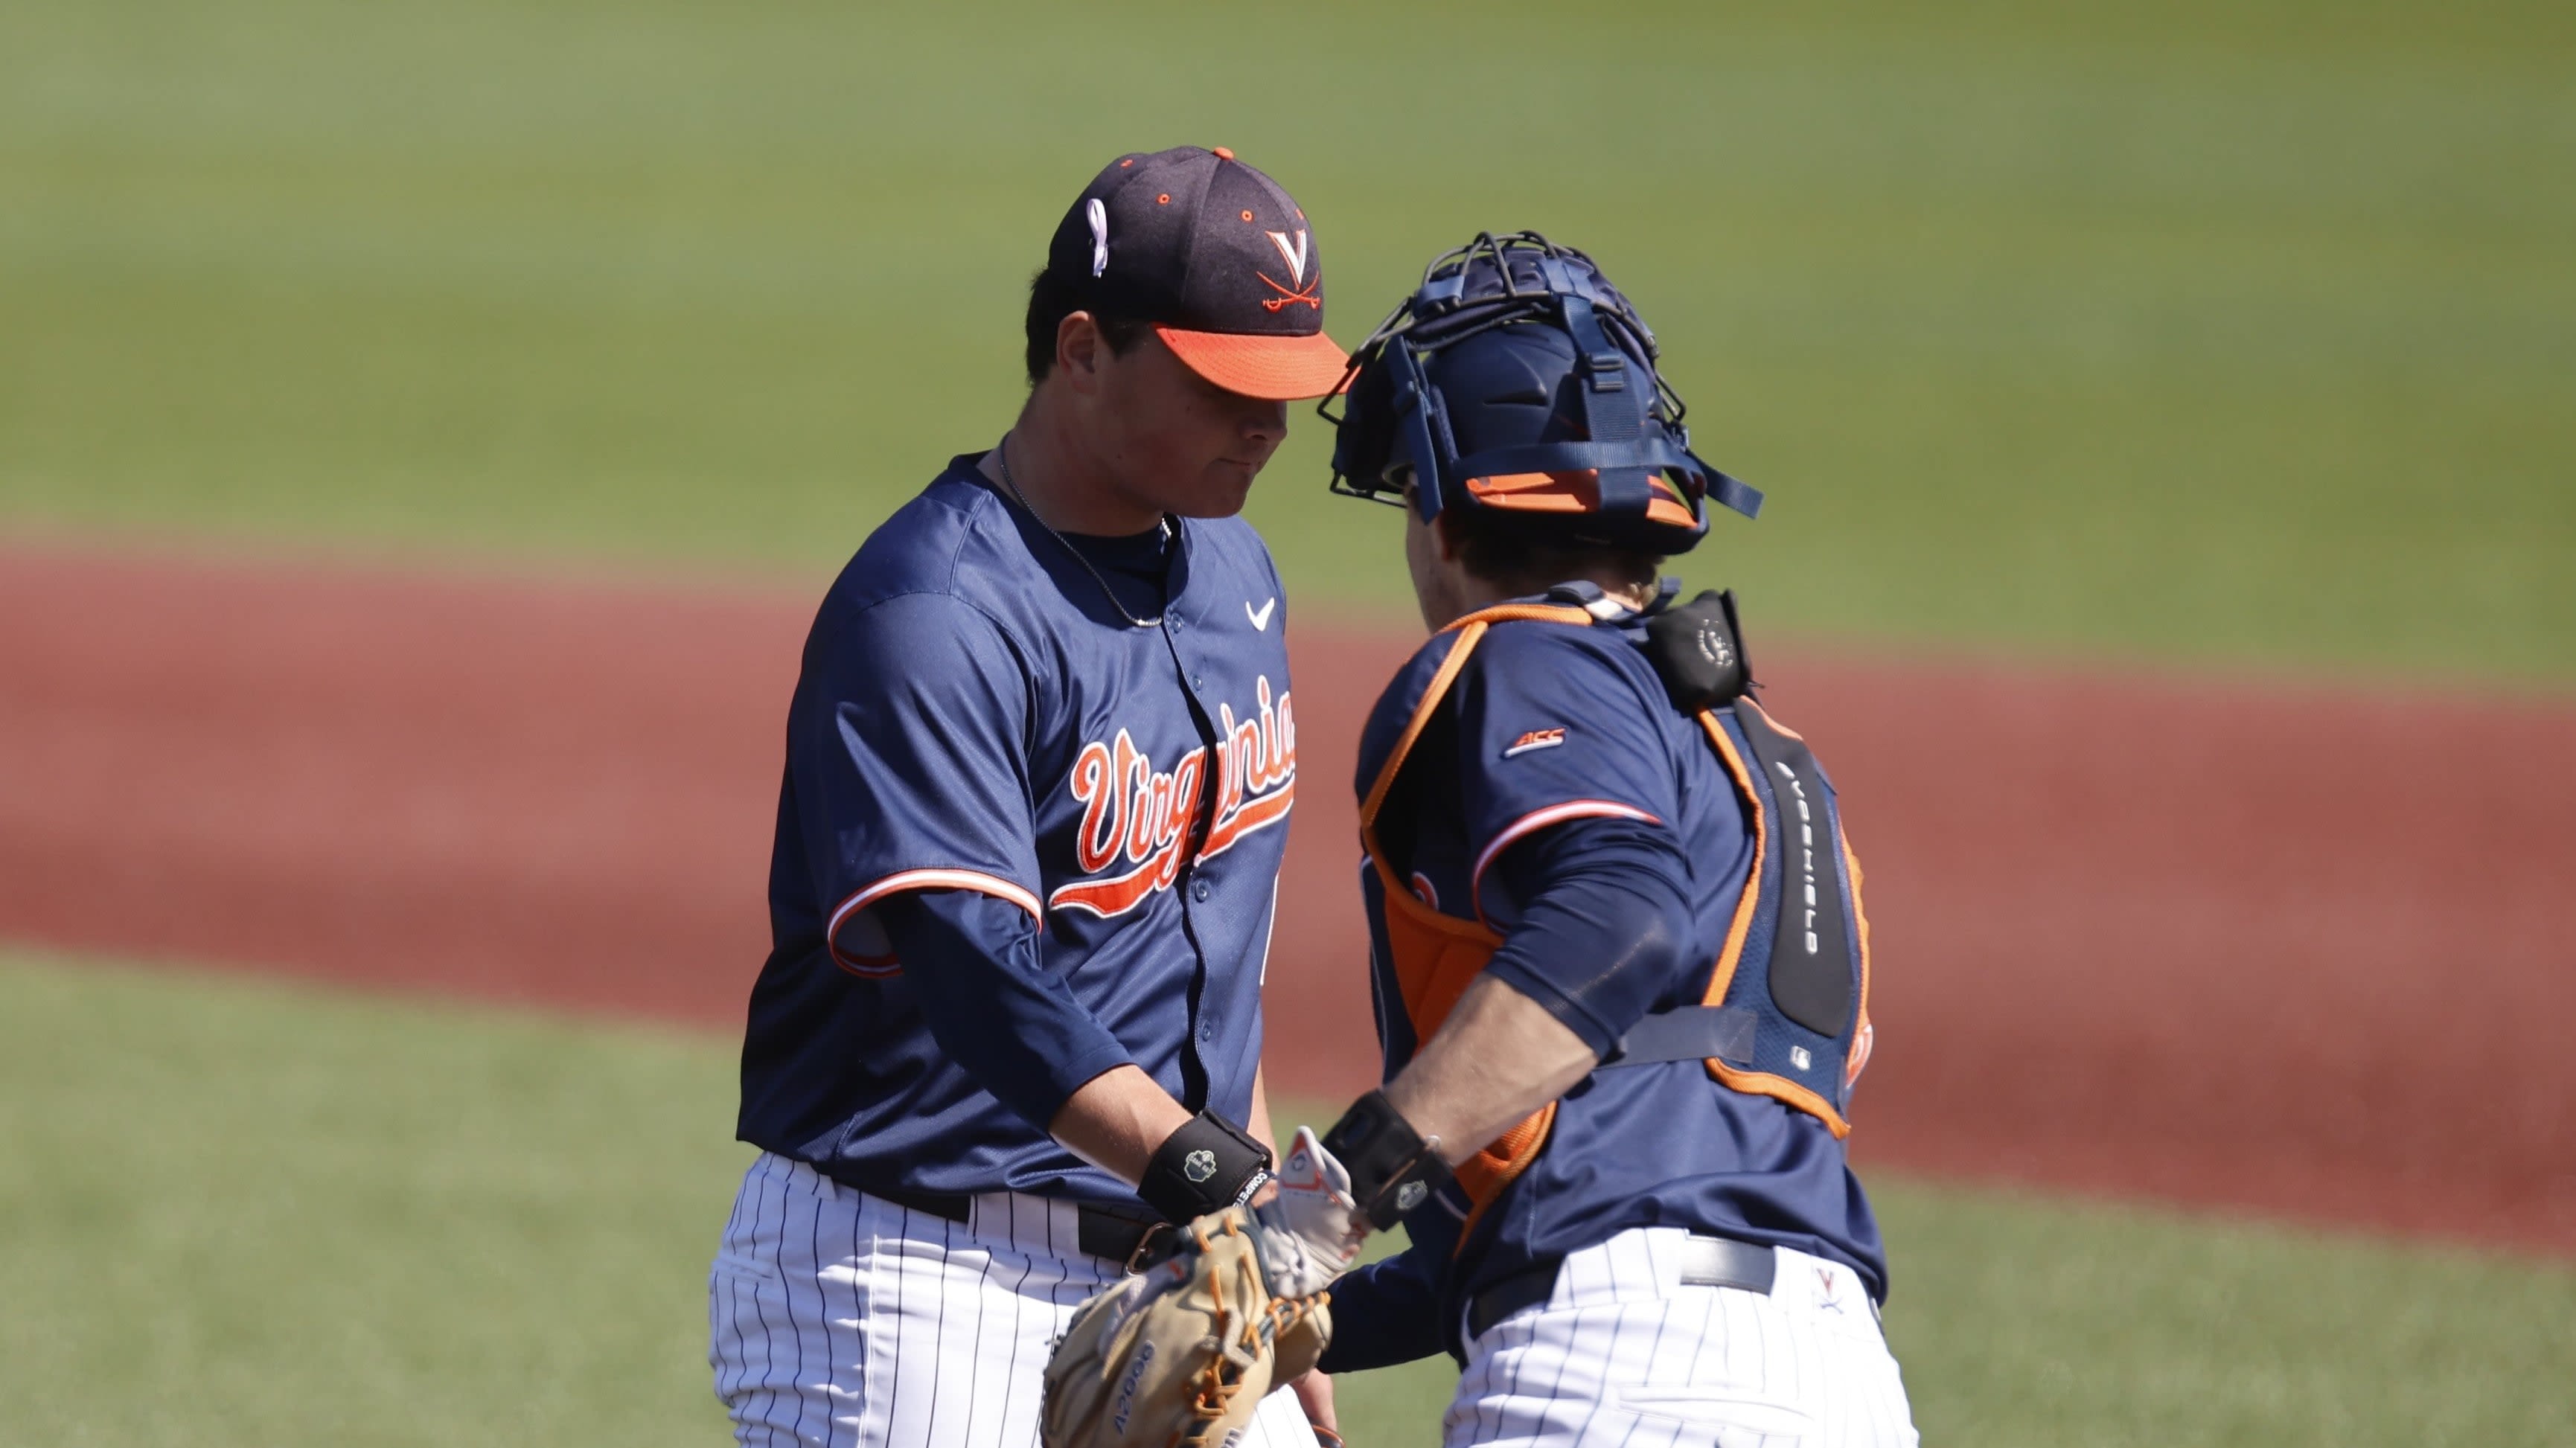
{"x":1176,"y":440}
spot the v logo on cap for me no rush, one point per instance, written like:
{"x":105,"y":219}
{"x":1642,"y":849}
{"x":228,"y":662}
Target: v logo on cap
{"x":1294,"y":256}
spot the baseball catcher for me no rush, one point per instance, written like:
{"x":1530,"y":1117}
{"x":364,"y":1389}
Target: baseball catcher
{"x":1619,"y":956}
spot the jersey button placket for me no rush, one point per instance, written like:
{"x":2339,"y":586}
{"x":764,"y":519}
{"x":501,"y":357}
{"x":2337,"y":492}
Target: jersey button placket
{"x":1199,"y":889}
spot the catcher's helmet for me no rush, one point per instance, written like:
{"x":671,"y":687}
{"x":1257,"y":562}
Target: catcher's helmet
{"x":1518,"y":383}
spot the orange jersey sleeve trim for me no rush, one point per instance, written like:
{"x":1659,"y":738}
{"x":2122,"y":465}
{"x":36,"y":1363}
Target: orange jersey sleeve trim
{"x":880,"y":967}
{"x":1539,"y":819}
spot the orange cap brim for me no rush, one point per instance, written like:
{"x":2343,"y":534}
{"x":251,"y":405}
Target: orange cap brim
{"x":1274,"y":368}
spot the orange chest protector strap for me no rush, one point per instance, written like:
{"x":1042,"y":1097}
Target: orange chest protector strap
{"x":1436,"y":956}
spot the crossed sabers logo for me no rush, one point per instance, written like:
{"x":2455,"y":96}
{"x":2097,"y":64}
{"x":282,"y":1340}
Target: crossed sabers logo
{"x":1295,"y":255}
{"x":1133,"y":812}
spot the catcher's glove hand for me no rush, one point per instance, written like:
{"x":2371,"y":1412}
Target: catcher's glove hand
{"x":1182,"y":1353}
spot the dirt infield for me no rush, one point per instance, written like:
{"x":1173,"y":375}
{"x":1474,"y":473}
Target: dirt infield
{"x":2305,"y":953}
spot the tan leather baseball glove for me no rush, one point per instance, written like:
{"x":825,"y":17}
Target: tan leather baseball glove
{"x":1179,"y":1355}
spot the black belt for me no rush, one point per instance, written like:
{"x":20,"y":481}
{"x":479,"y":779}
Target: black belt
{"x":1706,"y":1262}
{"x":1129,"y":1241}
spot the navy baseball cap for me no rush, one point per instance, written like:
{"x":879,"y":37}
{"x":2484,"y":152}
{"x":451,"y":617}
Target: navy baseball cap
{"x":1217,"y":257}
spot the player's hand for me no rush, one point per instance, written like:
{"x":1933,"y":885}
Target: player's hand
{"x":1310,"y":1231}
{"x":1315,"y":1394}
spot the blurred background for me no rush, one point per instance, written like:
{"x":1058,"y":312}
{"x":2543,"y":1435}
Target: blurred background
{"x":425,"y":430}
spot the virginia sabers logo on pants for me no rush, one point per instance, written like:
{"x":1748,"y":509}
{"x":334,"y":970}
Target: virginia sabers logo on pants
{"x":1136,"y":815}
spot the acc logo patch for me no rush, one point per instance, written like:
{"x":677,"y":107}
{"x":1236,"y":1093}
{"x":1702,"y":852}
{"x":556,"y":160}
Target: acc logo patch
{"x":1536,"y":739}
{"x":1410,"y":1195}
{"x":1199,"y":1165}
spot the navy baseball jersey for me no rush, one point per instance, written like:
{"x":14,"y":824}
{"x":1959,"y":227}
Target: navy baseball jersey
{"x":974,"y":714}
{"x":1562,"y":736}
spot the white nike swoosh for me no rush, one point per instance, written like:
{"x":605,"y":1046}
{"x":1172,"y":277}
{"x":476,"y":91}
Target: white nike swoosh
{"x":1260,"y":616}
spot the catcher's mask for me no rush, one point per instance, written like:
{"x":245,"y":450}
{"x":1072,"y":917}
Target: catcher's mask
{"x":1518,"y":383}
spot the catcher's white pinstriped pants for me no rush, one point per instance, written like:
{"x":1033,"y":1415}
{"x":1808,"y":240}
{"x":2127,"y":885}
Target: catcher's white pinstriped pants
{"x":1624,"y":1356}
{"x":838,"y":1318}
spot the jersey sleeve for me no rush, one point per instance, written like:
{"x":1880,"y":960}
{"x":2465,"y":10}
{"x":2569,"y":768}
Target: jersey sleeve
{"x":1606,"y":927}
{"x":1387,"y":1312}
{"x":1569,"y":798}
{"x":1549,"y":731}
{"x":908,"y":754}
{"x":992,"y":1005}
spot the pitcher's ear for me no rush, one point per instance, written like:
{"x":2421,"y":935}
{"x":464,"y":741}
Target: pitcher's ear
{"x":1079,"y":347}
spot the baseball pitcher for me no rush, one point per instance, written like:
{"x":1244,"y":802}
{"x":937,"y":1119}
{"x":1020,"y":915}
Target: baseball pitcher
{"x":1040,"y":763}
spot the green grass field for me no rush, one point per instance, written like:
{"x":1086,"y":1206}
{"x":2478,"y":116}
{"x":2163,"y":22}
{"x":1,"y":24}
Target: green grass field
{"x":237,"y":1213}
{"x":2228,"y":333}
{"x":2216,"y":331}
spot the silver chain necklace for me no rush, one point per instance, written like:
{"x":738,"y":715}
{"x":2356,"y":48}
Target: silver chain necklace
{"x":1002,"y":455}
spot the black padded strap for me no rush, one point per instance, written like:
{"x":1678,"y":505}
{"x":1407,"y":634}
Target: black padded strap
{"x":1813,"y":976}
{"x":1208,"y":1165}
{"x":1393,"y":1169}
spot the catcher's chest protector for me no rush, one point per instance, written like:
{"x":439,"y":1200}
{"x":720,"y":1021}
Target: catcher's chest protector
{"x":1788,"y":992}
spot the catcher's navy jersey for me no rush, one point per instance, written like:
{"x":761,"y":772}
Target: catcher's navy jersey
{"x":974,"y":714}
{"x":1552,"y":727}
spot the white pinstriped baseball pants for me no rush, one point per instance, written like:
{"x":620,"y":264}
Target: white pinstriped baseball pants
{"x":838,"y":1318}
{"x":1624,"y":1356}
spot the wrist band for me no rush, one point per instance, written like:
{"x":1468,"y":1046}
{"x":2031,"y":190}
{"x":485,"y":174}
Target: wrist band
{"x":1393,"y":1169}
{"x":1208,"y":1165}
